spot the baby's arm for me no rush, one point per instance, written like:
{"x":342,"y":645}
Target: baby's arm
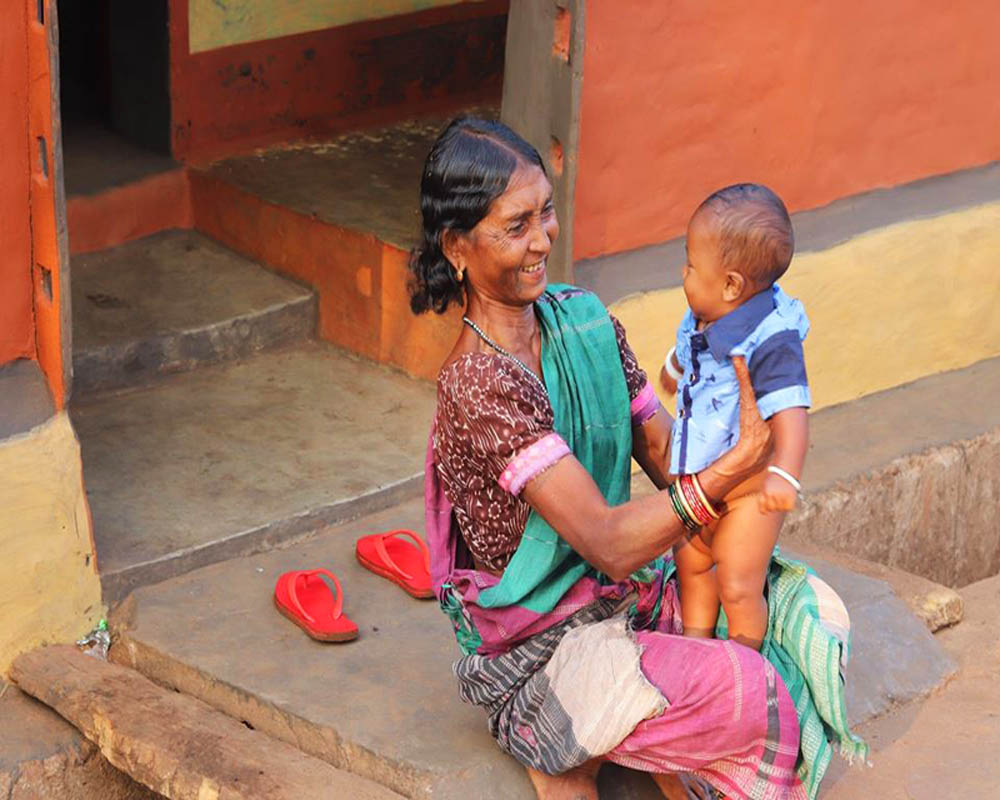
{"x":790,"y":429}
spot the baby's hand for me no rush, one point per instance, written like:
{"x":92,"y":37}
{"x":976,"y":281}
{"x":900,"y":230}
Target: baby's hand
{"x":670,"y":372}
{"x":667,"y":381}
{"x":777,"y":495}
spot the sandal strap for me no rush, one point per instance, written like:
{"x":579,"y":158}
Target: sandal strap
{"x":387,"y":559}
{"x":338,"y":595}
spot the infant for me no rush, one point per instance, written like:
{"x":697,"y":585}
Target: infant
{"x":739,"y":243}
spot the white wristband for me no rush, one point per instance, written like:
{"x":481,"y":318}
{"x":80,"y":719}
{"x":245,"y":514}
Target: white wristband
{"x":668,"y":365}
{"x":782,"y":474}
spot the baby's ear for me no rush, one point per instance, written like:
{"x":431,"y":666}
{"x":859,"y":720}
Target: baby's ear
{"x":733,"y":288}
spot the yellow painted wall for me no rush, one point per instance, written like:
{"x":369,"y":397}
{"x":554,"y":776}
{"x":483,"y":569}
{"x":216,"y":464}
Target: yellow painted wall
{"x":220,"y":23}
{"x":49,"y":588}
{"x":887,"y":307}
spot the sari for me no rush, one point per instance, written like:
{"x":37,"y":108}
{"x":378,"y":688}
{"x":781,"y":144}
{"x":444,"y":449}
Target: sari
{"x":571,"y":665}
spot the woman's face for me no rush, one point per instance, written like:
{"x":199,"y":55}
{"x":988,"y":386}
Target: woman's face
{"x":504,"y":255}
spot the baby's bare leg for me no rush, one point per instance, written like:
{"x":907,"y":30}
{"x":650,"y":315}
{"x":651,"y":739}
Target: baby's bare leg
{"x":699,"y":595}
{"x":742,"y":545}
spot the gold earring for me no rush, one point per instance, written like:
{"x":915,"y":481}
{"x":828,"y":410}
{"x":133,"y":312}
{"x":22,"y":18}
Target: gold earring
{"x":459,"y":273}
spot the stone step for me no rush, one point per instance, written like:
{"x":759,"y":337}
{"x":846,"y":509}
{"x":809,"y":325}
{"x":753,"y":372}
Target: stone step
{"x":235,"y":458}
{"x":385,"y":706}
{"x":174,"y":301}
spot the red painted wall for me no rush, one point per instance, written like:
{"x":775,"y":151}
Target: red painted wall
{"x":17,"y":333}
{"x":819,"y":100}
{"x":239,"y":97}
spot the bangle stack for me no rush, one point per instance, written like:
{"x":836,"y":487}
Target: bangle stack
{"x":690,"y":503}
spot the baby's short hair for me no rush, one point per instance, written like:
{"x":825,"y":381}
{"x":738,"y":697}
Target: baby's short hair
{"x":754,"y":231}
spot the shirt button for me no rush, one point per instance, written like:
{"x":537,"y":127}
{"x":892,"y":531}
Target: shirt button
{"x":680,"y":414}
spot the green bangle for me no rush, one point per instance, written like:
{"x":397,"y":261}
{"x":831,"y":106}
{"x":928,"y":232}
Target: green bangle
{"x":685,"y":518}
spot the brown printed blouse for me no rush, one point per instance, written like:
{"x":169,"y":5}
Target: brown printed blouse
{"x":494,"y":433}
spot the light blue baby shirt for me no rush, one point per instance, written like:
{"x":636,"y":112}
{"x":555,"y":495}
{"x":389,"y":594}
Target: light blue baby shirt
{"x":768,"y":329}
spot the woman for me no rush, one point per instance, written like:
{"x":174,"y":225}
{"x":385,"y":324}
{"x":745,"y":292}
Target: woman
{"x":554,"y":582}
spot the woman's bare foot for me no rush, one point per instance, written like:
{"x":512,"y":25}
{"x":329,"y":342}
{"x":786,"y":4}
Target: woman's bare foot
{"x":579,"y":783}
{"x":683,"y":786}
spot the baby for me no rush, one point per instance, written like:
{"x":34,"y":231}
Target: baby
{"x":739,"y":242}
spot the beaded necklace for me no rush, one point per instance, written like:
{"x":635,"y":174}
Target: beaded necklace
{"x":482,"y":335}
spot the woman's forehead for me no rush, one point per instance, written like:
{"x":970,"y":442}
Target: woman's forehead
{"x":527,"y":190}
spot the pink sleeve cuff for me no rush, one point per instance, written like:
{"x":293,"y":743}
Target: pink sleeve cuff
{"x":645,"y":404}
{"x":534,"y":459}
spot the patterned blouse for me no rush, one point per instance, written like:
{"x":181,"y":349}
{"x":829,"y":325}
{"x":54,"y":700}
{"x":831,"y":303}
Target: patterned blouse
{"x":494,"y":433}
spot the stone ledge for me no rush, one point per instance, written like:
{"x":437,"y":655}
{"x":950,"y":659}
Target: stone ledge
{"x":930,"y":513}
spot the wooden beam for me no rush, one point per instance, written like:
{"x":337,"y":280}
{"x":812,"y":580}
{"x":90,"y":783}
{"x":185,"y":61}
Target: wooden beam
{"x":174,"y":744}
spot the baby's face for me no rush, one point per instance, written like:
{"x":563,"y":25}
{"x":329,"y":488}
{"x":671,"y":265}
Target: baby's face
{"x":704,"y":277}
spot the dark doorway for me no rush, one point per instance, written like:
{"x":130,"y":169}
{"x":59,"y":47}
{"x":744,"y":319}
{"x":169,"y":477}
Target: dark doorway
{"x":114,"y":91}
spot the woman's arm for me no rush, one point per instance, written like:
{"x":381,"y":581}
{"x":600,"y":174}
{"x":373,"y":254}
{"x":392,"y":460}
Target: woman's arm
{"x":618,"y":540}
{"x":651,"y":447}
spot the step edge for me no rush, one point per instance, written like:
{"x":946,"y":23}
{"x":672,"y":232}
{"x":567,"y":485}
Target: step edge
{"x":271,"y":718}
{"x":117,"y":353}
{"x":117,"y":584}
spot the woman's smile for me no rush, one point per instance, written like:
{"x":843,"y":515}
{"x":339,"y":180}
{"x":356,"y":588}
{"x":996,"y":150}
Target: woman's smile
{"x":535,"y":270}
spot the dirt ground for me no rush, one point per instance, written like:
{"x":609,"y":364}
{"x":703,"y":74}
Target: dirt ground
{"x":947,"y":746}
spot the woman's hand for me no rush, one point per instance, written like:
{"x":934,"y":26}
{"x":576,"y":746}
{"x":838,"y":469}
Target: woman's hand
{"x":618,"y":540}
{"x":753,"y":449}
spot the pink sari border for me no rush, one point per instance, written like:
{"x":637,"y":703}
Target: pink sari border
{"x":531,"y":461}
{"x":645,"y":405}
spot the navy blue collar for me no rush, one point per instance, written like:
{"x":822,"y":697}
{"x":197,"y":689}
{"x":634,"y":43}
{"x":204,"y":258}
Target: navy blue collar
{"x":728,"y":331}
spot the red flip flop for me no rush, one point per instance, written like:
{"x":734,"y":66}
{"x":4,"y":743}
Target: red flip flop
{"x":403,"y":563}
{"x":304,"y":598}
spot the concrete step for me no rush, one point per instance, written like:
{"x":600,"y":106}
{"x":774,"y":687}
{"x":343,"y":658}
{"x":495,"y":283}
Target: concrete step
{"x":174,"y":301}
{"x":340,"y":215}
{"x":235,"y":458}
{"x":385,"y":706}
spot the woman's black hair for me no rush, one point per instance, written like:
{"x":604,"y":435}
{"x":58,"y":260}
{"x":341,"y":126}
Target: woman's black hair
{"x":468,"y":168}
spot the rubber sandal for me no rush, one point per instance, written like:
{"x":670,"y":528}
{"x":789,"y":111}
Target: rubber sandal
{"x":391,"y":556}
{"x":305,"y":598}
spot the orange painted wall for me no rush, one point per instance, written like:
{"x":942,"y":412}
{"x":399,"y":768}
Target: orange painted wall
{"x":17,"y":333}
{"x":243,"y":96}
{"x":361,"y":281}
{"x":46,"y":256}
{"x":819,"y":100}
{"x":129,"y":212}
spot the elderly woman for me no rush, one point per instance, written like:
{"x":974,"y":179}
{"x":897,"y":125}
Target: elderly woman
{"x":553,"y":580}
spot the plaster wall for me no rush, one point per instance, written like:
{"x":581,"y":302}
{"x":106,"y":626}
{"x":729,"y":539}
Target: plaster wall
{"x":329,"y":78}
{"x":213,"y":24}
{"x":886,"y":307}
{"x":17,"y":333}
{"x":49,"y":587}
{"x":818,"y":100}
